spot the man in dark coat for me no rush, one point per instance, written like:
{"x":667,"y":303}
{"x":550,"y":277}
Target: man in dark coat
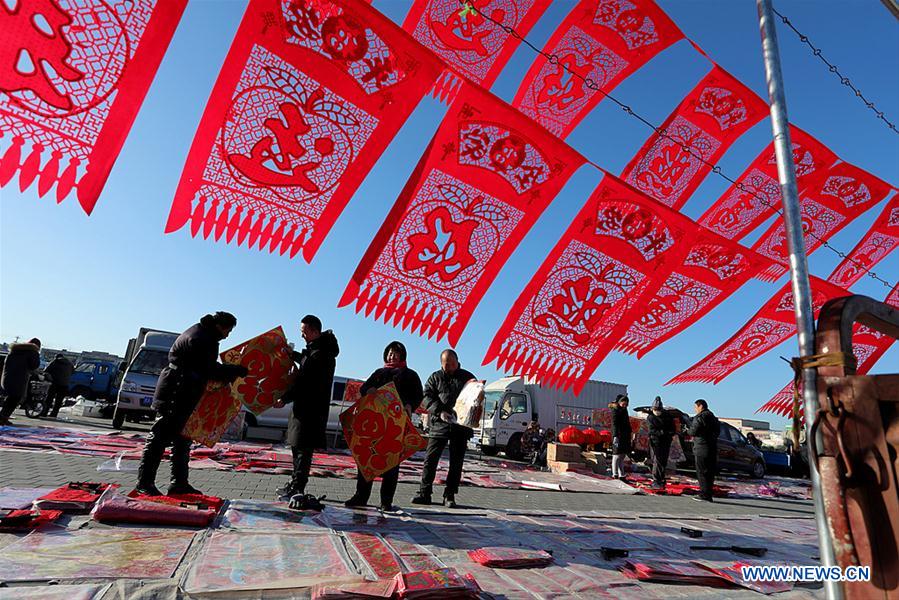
{"x":60,"y":371}
{"x":661,"y":432}
{"x":408,"y":386}
{"x":311,"y":398}
{"x":621,"y":435}
{"x":22,"y":361}
{"x":440,"y":394}
{"x":705,"y":429}
{"x":193,"y":361}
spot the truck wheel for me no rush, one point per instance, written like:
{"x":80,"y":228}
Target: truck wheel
{"x":489,"y":450}
{"x":83,"y":391}
{"x":758,"y":469}
{"x":118,"y":418}
{"x":513,"y":448}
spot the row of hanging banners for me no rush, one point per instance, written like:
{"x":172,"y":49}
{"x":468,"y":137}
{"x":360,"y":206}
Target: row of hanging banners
{"x":312,"y":92}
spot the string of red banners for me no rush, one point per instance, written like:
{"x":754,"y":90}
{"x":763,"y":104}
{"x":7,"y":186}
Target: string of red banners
{"x":312,"y":92}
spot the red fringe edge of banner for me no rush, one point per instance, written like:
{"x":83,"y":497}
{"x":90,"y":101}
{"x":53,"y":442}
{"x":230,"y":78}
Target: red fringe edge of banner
{"x":256,"y":230}
{"x":398,"y":310}
{"x":446,"y":87}
{"x":714,"y":378}
{"x":773,"y":273}
{"x":523,"y":360}
{"x":30,"y":170}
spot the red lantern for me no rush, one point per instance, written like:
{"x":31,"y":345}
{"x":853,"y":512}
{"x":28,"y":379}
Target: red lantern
{"x":591,"y":437}
{"x":571,"y":435}
{"x":605,"y":436}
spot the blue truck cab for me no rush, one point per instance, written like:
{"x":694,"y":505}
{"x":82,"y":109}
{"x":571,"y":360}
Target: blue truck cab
{"x":150,"y":351}
{"x":94,"y":379}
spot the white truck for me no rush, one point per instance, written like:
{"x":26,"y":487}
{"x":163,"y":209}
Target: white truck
{"x":147,"y":354}
{"x":511,"y":402}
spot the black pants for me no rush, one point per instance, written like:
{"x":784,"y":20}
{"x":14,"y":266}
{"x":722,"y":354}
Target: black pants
{"x":10,"y":403}
{"x":706,"y":465}
{"x":302,"y":464}
{"x":457,"y":445}
{"x":388,"y":486}
{"x":55,"y":395}
{"x":660,"y":451}
{"x":166,"y":431}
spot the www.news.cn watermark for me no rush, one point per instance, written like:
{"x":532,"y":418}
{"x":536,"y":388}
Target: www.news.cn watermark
{"x":805,"y":574}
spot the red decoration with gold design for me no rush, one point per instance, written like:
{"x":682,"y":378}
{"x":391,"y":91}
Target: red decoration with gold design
{"x":772,"y":325}
{"x":713,"y":269}
{"x":881,"y":239}
{"x":737,"y":212}
{"x":469,"y":43}
{"x":712,"y":116}
{"x":603,"y":41}
{"x":310,"y":94}
{"x":842,"y":195}
{"x":379,"y":433}
{"x":215,"y":411}
{"x":73,"y":75}
{"x":614,"y":256}
{"x":486,"y":176}
{"x":271,"y":370}
{"x":868,"y":346}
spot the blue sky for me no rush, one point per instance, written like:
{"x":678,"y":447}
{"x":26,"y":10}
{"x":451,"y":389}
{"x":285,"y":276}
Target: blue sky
{"x":88,"y":283}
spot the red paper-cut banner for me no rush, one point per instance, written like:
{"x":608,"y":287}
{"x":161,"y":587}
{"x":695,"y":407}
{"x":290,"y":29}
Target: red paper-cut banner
{"x":73,"y":77}
{"x":616,"y":253}
{"x":604,"y":41}
{"x":881,"y":239}
{"x":712,"y":116}
{"x":310,"y":94}
{"x":844,"y":194}
{"x":736,"y":213}
{"x":773,"y":324}
{"x":868,"y":346}
{"x":713,"y":269}
{"x":486,"y":176}
{"x":470,"y":44}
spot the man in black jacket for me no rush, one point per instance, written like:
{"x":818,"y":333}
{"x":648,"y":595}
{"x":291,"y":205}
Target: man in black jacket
{"x":22,"y":361}
{"x":661,"y":431}
{"x":60,"y":371}
{"x":193,"y":361}
{"x":311,"y":397}
{"x":441,"y":391}
{"x":705,"y":429}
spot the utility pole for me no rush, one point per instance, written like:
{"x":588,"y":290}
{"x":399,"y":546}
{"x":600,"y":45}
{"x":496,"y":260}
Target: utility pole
{"x":799,"y":279}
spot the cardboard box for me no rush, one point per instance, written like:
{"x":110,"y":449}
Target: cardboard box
{"x":596,"y":461}
{"x":564,"y":453}
{"x":565,"y":467}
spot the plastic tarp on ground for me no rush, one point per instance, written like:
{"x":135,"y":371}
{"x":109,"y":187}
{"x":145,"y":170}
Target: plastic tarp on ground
{"x":88,"y":591}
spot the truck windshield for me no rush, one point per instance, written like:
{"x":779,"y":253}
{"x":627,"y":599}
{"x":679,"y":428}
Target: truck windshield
{"x":149,"y":362}
{"x":491,"y":400}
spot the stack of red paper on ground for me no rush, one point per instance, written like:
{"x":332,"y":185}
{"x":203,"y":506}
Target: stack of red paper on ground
{"x":20,"y":521}
{"x":510,"y":558}
{"x":75,"y":497}
{"x":116,"y":508}
{"x":383,"y":588}
{"x":437,"y":584}
{"x":194,"y":501}
{"x":671,"y":571}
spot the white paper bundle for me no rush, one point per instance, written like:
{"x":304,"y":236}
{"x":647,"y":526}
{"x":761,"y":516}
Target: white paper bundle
{"x":470,"y":404}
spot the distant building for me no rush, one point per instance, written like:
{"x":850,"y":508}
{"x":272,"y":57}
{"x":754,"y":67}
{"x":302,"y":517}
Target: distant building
{"x":760,"y":429}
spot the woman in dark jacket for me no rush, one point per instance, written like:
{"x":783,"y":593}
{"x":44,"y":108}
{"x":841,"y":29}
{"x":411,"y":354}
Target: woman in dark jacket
{"x":621,"y":435}
{"x":22,"y":361}
{"x":408,"y":384}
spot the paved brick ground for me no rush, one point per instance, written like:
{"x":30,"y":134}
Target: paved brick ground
{"x":34,"y":469}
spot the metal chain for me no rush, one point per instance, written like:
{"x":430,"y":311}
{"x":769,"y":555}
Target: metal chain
{"x":833,"y":69}
{"x":468,"y":7}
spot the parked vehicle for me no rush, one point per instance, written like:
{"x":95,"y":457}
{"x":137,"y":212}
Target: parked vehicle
{"x":511,"y":402}
{"x":146,"y":356}
{"x":95,"y":379}
{"x":36,"y":399}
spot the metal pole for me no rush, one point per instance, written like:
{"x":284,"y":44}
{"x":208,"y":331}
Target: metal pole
{"x":805,"y":318}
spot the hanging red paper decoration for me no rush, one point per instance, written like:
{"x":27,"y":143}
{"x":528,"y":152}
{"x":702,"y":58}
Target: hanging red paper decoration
{"x":713,"y":269}
{"x":603,"y":41}
{"x":773,"y":324}
{"x":310,"y":94}
{"x":843,"y":195}
{"x":737,"y":212}
{"x":470,"y":44}
{"x":868,"y":345}
{"x":73,"y":76}
{"x":617,"y":252}
{"x":571,"y":435}
{"x":881,"y":239}
{"x":486,"y":176}
{"x":712,"y":116}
